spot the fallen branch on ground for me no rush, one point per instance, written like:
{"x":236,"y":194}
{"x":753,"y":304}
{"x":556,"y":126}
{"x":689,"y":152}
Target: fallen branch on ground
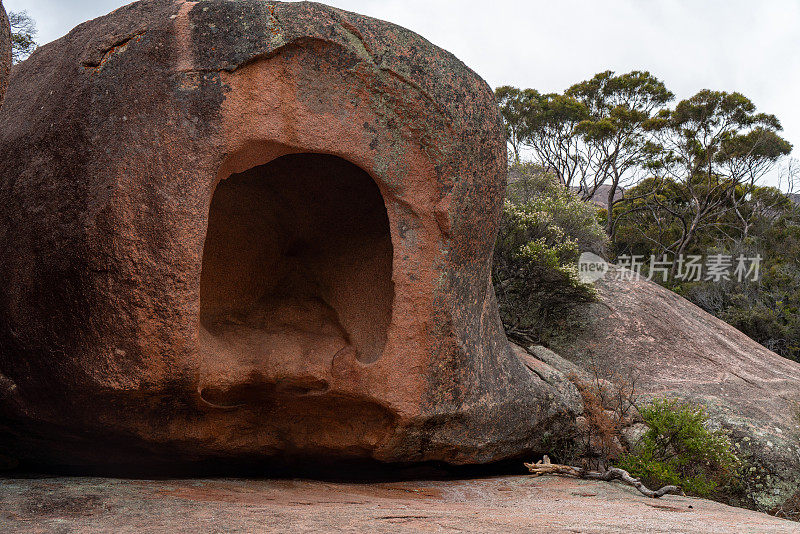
{"x":544,"y":467}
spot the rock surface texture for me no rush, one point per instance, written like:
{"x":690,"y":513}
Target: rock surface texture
{"x":5,"y":52}
{"x":671,"y":348}
{"x":491,"y":505}
{"x":248,"y":229}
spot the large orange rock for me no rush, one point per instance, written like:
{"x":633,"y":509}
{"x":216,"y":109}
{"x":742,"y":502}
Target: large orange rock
{"x":240,"y":229}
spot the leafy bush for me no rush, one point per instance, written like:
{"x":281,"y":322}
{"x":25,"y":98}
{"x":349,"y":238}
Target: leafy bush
{"x":543,"y":230}
{"x":679,"y":448}
{"x":558,"y":208}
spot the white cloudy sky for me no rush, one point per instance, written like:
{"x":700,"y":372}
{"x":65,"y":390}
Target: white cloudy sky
{"x":733,"y":45}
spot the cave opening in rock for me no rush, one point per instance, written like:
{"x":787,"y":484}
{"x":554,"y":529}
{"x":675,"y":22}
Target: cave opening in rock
{"x":296,"y":268}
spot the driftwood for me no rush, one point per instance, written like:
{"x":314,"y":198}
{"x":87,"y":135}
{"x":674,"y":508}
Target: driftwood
{"x":544,"y":467}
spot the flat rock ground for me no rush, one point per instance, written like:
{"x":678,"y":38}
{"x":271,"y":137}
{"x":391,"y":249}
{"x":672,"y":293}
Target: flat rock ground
{"x":499,"y":504}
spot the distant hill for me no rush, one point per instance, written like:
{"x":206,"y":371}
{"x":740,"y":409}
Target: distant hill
{"x":600,"y":196}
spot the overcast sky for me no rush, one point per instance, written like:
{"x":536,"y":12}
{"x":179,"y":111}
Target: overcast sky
{"x":732,"y":45}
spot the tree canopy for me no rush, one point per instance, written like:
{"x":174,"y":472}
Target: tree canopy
{"x":667,"y":181}
{"x":23,"y":35}
{"x":596,"y":133}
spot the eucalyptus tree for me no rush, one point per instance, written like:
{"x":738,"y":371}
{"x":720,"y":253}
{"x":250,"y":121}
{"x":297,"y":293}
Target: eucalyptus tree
{"x":545,"y":125}
{"x":713,"y":149}
{"x":593,"y":134}
{"x":514,"y":105}
{"x":617,"y":131}
{"x":23,"y":35}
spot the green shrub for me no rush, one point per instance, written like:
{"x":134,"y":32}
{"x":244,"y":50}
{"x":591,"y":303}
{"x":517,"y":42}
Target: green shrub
{"x":679,"y":448}
{"x":558,"y":209}
{"x":542,"y":233}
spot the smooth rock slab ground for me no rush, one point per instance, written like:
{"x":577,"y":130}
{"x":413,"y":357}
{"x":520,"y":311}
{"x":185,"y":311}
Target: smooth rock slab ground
{"x":500,"y":504}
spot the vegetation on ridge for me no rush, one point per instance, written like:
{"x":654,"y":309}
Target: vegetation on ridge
{"x":23,"y":35}
{"x":666,"y":183}
{"x":543,"y":230}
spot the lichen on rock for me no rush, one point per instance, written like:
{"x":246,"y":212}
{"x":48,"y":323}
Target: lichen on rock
{"x":255,"y":230}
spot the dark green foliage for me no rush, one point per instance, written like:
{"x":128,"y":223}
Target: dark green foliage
{"x":706,"y":160}
{"x":547,"y":125}
{"x":680,"y":449}
{"x":514,"y":105}
{"x":543,"y":230}
{"x":704,"y":199}
{"x":622,"y":110}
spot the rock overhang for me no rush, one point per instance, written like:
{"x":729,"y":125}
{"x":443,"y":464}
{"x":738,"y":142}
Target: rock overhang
{"x":144,"y":113}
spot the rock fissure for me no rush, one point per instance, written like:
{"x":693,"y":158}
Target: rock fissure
{"x":106,"y":54}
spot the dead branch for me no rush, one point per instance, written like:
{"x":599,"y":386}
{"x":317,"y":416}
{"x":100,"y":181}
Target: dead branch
{"x":544,"y":467}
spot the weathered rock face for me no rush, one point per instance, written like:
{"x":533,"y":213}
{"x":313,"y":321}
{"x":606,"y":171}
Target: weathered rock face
{"x":672,"y":348}
{"x":496,"y":505}
{"x":5,"y":51}
{"x":249,"y":229}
